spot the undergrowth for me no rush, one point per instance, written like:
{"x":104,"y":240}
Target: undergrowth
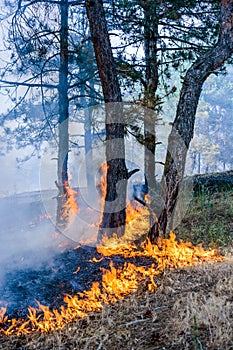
{"x":209,"y":219}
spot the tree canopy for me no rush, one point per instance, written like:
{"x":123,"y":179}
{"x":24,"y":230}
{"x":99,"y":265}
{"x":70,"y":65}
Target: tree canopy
{"x":64,"y":55}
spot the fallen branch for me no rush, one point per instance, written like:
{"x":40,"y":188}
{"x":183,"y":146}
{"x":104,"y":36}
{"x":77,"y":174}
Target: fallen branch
{"x":137,"y":321}
{"x":102,"y":342}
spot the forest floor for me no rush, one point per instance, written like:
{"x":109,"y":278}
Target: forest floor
{"x":191,"y":308}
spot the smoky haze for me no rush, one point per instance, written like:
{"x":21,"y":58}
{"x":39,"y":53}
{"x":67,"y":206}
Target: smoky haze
{"x":26,"y":233}
{"x":27,"y":236}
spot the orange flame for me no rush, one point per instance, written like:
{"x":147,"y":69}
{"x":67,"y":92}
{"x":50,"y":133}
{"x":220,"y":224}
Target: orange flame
{"x":102,"y":185}
{"x":116,"y":283}
{"x":132,"y":213}
{"x":168,"y":252}
{"x":3,"y":318}
{"x":67,"y":206}
{"x":70,"y":199}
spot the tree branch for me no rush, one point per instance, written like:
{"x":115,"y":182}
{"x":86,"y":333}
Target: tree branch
{"x":30,"y":85}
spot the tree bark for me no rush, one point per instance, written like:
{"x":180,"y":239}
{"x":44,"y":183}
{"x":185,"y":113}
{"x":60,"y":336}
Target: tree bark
{"x":88,"y":141}
{"x":63,"y":142}
{"x":183,"y":126}
{"x":150,"y":98}
{"x":114,"y":215}
{"x":63,"y":133}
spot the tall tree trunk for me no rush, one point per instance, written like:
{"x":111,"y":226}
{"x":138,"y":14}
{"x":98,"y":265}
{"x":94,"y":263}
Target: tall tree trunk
{"x":63,"y":133}
{"x":183,"y":126}
{"x":114,"y":215}
{"x":151,"y":80}
{"x":199,"y":162}
{"x":88,"y":142}
{"x":63,"y":146}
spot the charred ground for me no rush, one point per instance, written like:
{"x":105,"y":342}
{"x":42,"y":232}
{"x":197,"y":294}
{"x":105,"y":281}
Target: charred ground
{"x":69,"y":272}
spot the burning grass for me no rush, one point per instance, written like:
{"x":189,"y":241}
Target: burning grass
{"x":191,"y":308}
{"x":115,"y":285}
{"x":168,"y":252}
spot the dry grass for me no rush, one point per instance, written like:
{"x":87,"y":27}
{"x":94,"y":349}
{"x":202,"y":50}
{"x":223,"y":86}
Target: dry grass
{"x":192,"y":308}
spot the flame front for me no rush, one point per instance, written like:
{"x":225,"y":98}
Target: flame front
{"x":168,"y":252}
{"x":115,"y":285}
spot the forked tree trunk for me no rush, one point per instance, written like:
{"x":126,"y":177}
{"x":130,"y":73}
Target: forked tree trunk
{"x":183,"y":126}
{"x":114,"y":215}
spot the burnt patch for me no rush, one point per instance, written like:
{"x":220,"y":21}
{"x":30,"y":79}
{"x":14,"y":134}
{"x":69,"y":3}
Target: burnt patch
{"x":69,"y":272}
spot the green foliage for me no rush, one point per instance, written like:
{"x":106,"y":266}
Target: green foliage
{"x":198,"y":344}
{"x":209,"y":219}
{"x":181,"y":30}
{"x":33,"y":44}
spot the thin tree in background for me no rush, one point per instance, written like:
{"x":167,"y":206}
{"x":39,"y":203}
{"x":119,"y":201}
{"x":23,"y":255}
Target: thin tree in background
{"x":63,"y":120}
